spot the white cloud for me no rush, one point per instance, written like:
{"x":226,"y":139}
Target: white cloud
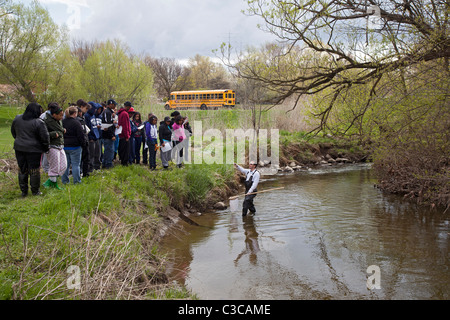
{"x":162,"y":28}
{"x":82,"y":3}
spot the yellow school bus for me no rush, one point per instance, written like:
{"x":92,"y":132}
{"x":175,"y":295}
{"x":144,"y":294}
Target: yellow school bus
{"x":203,"y":100}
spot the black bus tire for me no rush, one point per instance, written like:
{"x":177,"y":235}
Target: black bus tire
{"x":203,"y":107}
{"x":167,"y":107}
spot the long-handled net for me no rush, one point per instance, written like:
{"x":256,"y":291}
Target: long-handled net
{"x":234,"y":201}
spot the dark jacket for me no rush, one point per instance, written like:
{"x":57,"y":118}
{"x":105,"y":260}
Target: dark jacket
{"x":187,"y":126}
{"x":74,"y":136}
{"x":139,"y":133}
{"x":30,"y":136}
{"x":85,"y":128}
{"x":93,"y":120}
{"x":165,"y":132}
{"x":107,"y":118}
{"x":55,"y":128}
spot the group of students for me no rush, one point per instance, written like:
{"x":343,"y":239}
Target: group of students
{"x":89,"y":136}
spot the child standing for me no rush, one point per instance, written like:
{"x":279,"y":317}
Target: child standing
{"x":138,"y":137}
{"x":151,"y":133}
{"x":56,"y":156}
{"x":179,"y":135}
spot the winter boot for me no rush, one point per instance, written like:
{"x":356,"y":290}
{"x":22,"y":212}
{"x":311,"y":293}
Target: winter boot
{"x":23,"y":184}
{"x":35,"y":182}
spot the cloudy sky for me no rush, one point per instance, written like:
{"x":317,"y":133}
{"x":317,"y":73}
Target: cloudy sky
{"x":162,"y":28}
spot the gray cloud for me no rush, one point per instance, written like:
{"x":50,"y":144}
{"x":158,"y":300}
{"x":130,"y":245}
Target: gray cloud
{"x":166,"y":28}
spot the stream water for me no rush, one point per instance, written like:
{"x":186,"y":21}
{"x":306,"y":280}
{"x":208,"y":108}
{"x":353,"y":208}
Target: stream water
{"x":316,"y":239}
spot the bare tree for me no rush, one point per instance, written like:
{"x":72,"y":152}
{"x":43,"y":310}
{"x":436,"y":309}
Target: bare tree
{"x":83,"y":49}
{"x":166,"y":71}
{"x":351,"y":41}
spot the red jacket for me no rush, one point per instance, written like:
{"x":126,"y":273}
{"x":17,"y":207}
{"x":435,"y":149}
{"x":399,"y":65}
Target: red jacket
{"x":124,"y":122}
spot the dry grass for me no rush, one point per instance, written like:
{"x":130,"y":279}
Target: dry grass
{"x":115,"y":261}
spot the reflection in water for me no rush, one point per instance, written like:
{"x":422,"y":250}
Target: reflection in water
{"x":315,"y":240}
{"x":251,"y":241}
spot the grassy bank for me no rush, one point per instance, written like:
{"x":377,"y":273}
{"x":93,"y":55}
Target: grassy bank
{"x":108,"y":227}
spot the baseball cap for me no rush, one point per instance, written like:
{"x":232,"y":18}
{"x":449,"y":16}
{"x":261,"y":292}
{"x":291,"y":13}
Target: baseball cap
{"x":111,"y":101}
{"x":128,"y":104}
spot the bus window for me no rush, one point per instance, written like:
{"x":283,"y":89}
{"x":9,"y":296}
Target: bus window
{"x":196,"y":97}
{"x":221,"y":96}
{"x":208,"y":96}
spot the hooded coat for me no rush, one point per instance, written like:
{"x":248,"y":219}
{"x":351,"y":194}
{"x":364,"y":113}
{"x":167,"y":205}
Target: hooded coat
{"x":124,"y":122}
{"x":92,"y":121}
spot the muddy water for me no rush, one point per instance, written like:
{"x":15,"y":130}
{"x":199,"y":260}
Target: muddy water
{"x":316,"y":240}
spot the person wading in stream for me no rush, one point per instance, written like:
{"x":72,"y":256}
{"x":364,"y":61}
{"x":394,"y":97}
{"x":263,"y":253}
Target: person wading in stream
{"x":251,"y":185}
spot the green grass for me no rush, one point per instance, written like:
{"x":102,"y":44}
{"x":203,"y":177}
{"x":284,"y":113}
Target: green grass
{"x":106,"y":223}
{"x":7,"y":115}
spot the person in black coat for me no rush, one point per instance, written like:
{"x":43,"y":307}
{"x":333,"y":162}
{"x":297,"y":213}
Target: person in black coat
{"x":165,"y":137}
{"x":74,"y":140}
{"x":31,"y":140}
{"x":85,"y":153}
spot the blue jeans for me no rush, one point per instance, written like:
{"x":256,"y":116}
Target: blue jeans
{"x":74,"y":160}
{"x":108,"y":154}
{"x":116,"y":144}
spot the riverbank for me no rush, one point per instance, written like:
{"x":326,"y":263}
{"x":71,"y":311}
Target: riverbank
{"x":300,"y":152}
{"x":105,"y":230}
{"x":110,"y":226}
